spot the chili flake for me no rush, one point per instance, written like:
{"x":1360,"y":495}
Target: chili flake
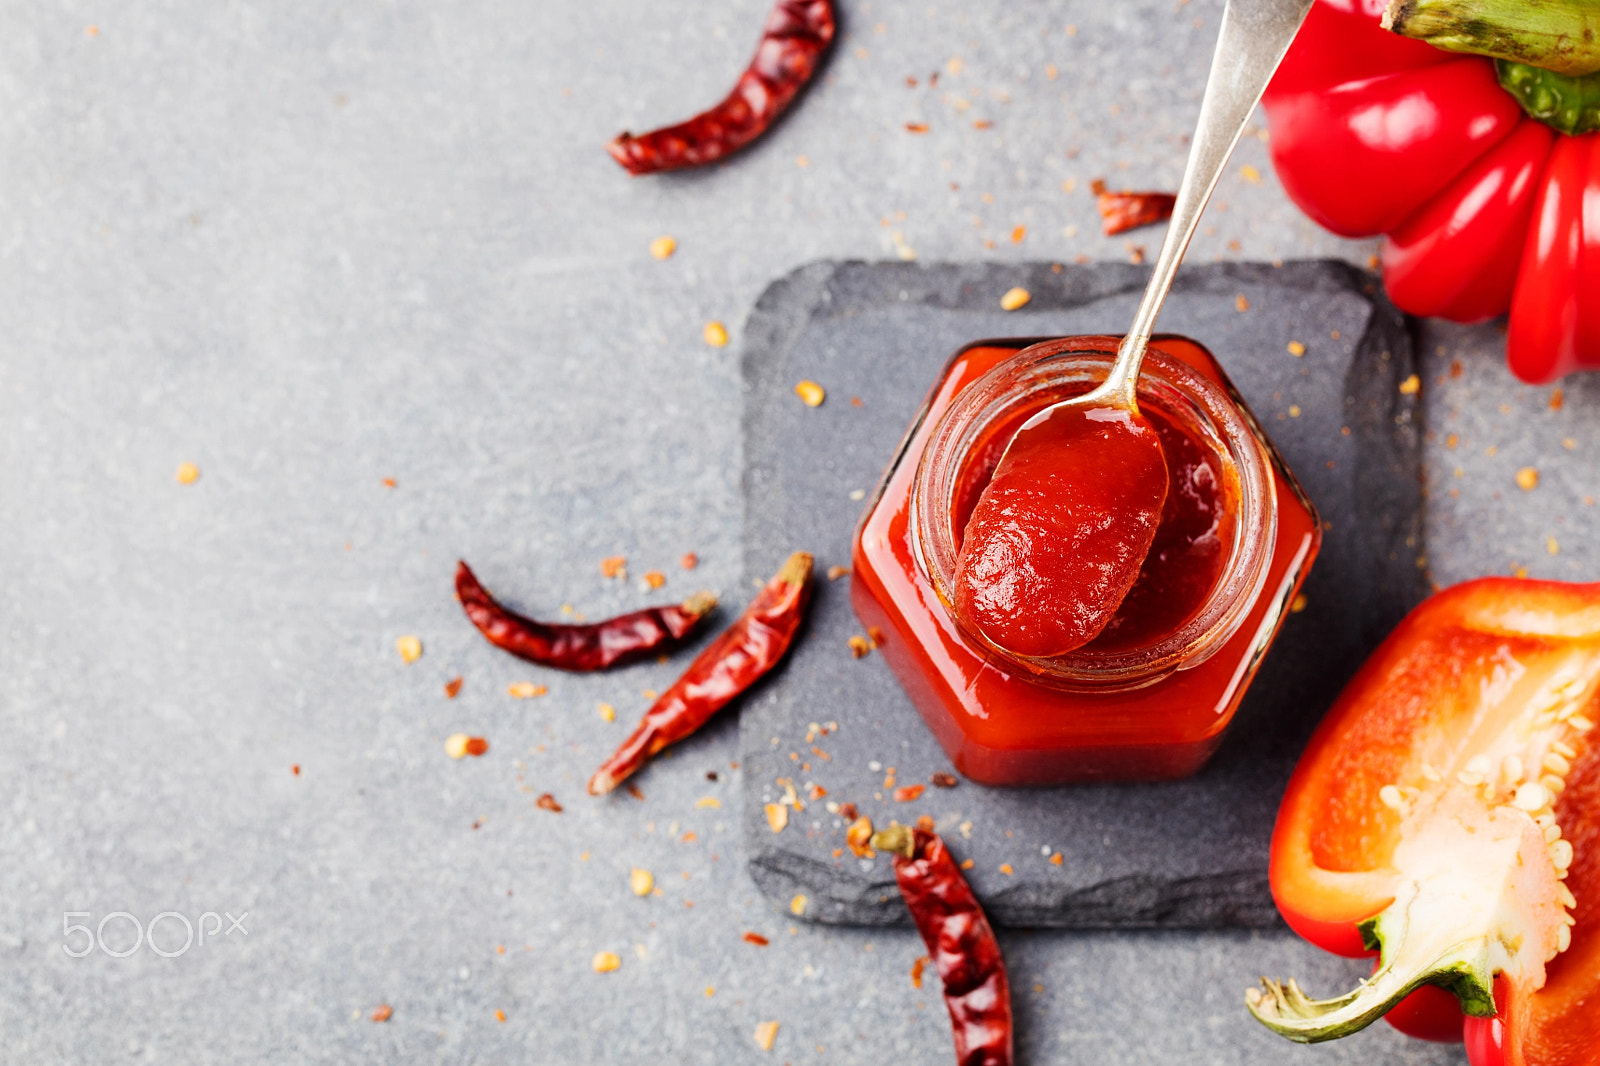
{"x":526,"y":690}
{"x":811,"y":394}
{"x":1015,"y":298}
{"x":606,"y":961}
{"x":655,"y":578}
{"x":859,"y":838}
{"x":916,"y":127}
{"x":777,"y":816}
{"x":1240,"y":304}
{"x":836,"y":572}
{"x":499,"y":1015}
{"x":1055,"y":860}
{"x":1527,"y":479}
{"x":907,"y":793}
{"x":547,"y":802}
{"x":382,"y":1012}
{"x":663,"y":247}
{"x":187,"y":473}
{"x":859,"y":648}
{"x":1019,"y":234}
{"x":459,"y":746}
{"x":452,"y":688}
{"x":614,"y":566}
{"x":916,"y":971}
{"x":940,"y":779}
{"x":716,"y":334}
{"x":757,"y":939}
{"x":410,"y":648}
{"x":641,"y":881}
{"x":1298,"y":604}
{"x":967,"y":864}
{"x":766,"y":1034}
{"x":689,"y":561}
{"x":1006,"y":869}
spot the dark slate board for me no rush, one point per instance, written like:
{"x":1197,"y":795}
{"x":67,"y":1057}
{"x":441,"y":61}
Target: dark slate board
{"x":1185,"y":854}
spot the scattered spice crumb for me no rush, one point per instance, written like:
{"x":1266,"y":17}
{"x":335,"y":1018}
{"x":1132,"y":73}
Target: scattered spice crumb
{"x":295,"y":769}
{"x":940,"y":779}
{"x":908,"y":793}
{"x":614,"y":566}
{"x":547,"y":802}
{"x":708,"y":803}
{"x":382,"y":1012}
{"x":859,"y":648}
{"x":526,"y":690}
{"x":1015,"y":298}
{"x":389,"y":483}
{"x":689,"y":561}
{"x":608,"y":712}
{"x":925,"y":823}
{"x":1296,"y":349}
{"x":811,"y":394}
{"x":1411,"y":385}
{"x":967,"y":864}
{"x":187,"y":474}
{"x":1019,"y":234}
{"x":710,"y":991}
{"x":1298,"y":604}
{"x":797,"y":906}
{"x":1551,"y":546}
{"x":1006,"y":869}
{"x":641,"y":881}
{"x":859,"y":838}
{"x":847,"y":811}
{"x":1055,"y":860}
{"x":606,"y":961}
{"x":1527,"y":479}
{"x":1294,"y":410}
{"x":916,"y":127}
{"x":777,"y":816}
{"x":757,"y":939}
{"x":716,"y":334}
{"x":1240,"y":304}
{"x":663,"y":247}
{"x":655,"y":578}
{"x":459,"y":746}
{"x":452,"y":688}
{"x":410,"y":648}
{"x":1557,"y":398}
{"x":499,"y":1015}
{"x":766,"y":1034}
{"x":916,"y":970}
{"x":1250,"y":174}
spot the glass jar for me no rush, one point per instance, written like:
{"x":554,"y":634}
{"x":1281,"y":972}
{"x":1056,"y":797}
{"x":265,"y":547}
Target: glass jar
{"x":1150,"y":697}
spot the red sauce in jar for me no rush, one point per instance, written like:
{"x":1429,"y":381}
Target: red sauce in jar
{"x":1187,"y":555}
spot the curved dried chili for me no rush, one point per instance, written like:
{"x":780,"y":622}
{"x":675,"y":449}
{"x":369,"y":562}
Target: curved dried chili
{"x":582,"y":647}
{"x":792,"y":41}
{"x":960,"y":941}
{"x":1123,"y":211}
{"x":730,"y":664}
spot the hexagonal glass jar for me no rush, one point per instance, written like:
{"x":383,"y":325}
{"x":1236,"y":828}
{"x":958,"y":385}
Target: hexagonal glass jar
{"x":1106,"y":712}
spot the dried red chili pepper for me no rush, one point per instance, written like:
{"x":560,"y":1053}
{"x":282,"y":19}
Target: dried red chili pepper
{"x":589,"y":646}
{"x":793,"y":39}
{"x":960,"y":941}
{"x":1123,"y":211}
{"x":730,"y":664}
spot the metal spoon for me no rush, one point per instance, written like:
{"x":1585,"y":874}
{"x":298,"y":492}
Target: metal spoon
{"x":1041,"y":581}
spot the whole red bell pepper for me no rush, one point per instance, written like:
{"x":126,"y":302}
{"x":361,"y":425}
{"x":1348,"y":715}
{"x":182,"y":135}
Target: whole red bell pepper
{"x":1446,"y":816}
{"x":1485,"y":207}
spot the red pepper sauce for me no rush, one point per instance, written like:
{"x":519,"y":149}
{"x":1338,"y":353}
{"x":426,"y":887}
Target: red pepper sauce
{"x":1001,"y":726}
{"x":1188,"y":554}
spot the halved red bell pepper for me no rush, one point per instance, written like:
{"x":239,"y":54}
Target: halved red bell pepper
{"x":1483,"y":204}
{"x":1446,"y":815}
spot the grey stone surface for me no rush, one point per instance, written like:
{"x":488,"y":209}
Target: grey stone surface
{"x":311,"y":246}
{"x":1183,"y":854}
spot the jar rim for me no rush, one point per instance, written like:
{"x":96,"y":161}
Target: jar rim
{"x":1203,"y":408}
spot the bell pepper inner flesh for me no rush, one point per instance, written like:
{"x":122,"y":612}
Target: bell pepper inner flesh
{"x":1423,"y":820}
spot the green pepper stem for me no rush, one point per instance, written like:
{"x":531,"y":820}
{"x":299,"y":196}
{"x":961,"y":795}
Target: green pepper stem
{"x":1465,"y":967}
{"x":1558,"y":35}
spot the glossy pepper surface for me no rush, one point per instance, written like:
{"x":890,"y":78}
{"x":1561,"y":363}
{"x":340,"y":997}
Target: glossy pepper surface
{"x":1446,"y":815}
{"x":1485,"y":208}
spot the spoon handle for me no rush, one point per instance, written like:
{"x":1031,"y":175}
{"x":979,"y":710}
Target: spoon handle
{"x":1255,"y":35}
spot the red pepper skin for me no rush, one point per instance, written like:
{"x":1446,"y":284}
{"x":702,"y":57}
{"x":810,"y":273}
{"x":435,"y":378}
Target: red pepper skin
{"x":1429,"y":1013}
{"x":1373,"y":133}
{"x":963,"y":948}
{"x":794,"y":38}
{"x":737,"y":659}
{"x":585,"y":647}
